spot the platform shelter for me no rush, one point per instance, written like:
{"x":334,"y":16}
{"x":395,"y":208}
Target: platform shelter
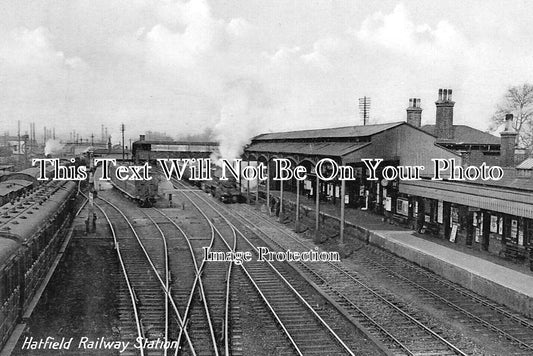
{"x":395,"y":144}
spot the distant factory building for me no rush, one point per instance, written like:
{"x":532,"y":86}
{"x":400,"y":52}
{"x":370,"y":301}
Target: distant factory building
{"x":145,"y":150}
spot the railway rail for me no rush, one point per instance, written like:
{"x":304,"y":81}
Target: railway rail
{"x":192,"y":295}
{"x":383,"y":315}
{"x":306,"y":330}
{"x":146,"y":306}
{"x":474,"y":309}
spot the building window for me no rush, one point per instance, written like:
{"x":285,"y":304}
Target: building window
{"x":402,"y":206}
{"x":494,"y":224}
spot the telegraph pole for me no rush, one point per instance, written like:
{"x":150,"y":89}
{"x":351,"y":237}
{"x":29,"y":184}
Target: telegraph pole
{"x":364,"y":108}
{"x":18,"y":143}
{"x":122,"y":128}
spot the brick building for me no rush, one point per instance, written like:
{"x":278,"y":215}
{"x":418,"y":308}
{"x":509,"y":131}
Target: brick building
{"x":495,"y":216}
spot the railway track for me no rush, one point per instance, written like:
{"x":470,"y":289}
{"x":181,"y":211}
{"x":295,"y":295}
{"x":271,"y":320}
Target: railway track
{"x":203,"y":310}
{"x":198,"y":289}
{"x":304,"y":328}
{"x":460,"y":303}
{"x":395,"y":324}
{"x":145,"y":303}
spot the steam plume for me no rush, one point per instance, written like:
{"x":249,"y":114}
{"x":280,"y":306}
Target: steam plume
{"x":53,"y":147}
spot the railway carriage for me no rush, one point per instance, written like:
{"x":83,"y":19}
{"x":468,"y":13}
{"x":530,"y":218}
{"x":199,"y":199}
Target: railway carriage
{"x":31,"y":232}
{"x":146,"y":192}
{"x":13,"y":189}
{"x":143,"y":191}
{"x":14,"y":185}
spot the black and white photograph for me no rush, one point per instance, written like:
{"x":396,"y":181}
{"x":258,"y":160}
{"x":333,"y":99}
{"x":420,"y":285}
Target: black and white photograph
{"x":266,"y":177}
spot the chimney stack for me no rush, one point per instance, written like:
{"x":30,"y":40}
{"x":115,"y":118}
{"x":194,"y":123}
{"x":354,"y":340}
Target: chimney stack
{"x":142,"y":137}
{"x":414,"y":112}
{"x":444,"y":118}
{"x":508,"y":142}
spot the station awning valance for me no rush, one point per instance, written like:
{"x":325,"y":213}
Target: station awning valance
{"x":490,"y":198}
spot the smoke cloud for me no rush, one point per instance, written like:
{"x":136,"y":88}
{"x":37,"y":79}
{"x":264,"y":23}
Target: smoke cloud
{"x":245,"y":107}
{"x":53,"y":148}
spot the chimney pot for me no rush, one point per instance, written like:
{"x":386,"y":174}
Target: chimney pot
{"x":414,"y":112}
{"x":508,"y":142}
{"x":509,"y":123}
{"x":444,"y":116}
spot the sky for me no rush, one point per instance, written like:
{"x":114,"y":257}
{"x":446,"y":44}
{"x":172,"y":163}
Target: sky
{"x":244,"y":67}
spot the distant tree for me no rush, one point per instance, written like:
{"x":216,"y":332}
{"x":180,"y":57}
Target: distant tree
{"x":518,"y":100}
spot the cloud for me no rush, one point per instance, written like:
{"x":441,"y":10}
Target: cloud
{"x":34,"y":75}
{"x":398,"y":33}
{"x":183,"y":66}
{"x":324,"y":49}
{"x":239,"y":28}
{"x":32,"y":49}
{"x":425,"y":57}
{"x":204,"y":55}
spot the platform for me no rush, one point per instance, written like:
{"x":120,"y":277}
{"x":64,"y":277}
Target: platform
{"x":505,"y":285}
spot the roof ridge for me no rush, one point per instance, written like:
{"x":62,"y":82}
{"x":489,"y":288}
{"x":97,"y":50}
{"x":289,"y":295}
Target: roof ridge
{"x":371,"y":130}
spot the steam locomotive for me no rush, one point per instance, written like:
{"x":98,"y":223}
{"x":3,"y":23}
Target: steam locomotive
{"x":227,"y":191}
{"x":31,"y":233}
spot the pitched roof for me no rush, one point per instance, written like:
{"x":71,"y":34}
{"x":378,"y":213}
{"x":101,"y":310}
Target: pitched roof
{"x":337,"y":149}
{"x":336,"y":132}
{"x":527,"y":164}
{"x":465,"y":135}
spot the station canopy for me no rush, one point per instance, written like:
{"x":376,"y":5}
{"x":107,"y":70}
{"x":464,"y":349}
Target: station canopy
{"x":338,"y":142}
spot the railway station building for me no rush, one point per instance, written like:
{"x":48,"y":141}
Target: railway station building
{"x":489,"y":215}
{"x":145,"y":150}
